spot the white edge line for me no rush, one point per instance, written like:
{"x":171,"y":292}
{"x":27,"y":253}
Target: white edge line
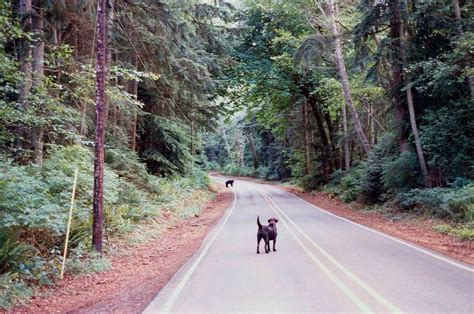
{"x":373,"y":293}
{"x":386,"y":235}
{"x":176,"y":292}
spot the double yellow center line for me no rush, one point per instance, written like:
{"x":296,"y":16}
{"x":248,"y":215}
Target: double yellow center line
{"x":362,"y":306}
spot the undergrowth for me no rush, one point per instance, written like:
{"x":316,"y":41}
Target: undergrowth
{"x":34,"y":203}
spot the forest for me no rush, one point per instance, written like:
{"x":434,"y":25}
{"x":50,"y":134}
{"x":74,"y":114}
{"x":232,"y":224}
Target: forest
{"x":366,"y":100}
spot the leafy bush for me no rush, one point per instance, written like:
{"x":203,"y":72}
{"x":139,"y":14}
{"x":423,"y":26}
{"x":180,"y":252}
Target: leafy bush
{"x":309,"y":182}
{"x":84,"y":262}
{"x":402,"y":173}
{"x":167,"y":150}
{"x":351,"y":183}
{"x":234,"y":170}
{"x":12,"y":251}
{"x":13,"y":289}
{"x":456,"y":202}
{"x":447,"y":139}
{"x":127,"y":164}
{"x":378,"y":162}
{"x":347,"y":185}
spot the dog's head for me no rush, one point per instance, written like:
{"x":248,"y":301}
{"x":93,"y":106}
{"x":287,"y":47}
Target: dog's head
{"x":272,"y":221}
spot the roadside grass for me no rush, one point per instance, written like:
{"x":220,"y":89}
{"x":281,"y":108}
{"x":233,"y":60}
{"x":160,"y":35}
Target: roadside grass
{"x":462,"y":231}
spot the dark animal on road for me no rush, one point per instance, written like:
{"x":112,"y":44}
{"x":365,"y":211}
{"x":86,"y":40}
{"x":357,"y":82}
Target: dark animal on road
{"x":231,"y":182}
{"x":267,"y":233}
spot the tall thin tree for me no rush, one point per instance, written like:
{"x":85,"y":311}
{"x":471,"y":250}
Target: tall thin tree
{"x":341,"y":69}
{"x":37,"y":132}
{"x":100,"y":111}
{"x":411,"y":109}
{"x":25,"y":11}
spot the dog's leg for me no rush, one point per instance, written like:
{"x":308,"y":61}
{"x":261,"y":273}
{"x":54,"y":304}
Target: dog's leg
{"x":267,"y":244}
{"x":274,"y":241}
{"x":259,"y":238}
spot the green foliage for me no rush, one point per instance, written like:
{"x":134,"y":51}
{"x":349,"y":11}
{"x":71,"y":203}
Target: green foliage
{"x":234,"y":170}
{"x":351,"y":183}
{"x":402,"y":173}
{"x":347,"y":185}
{"x":454,"y":202}
{"x":84,"y":262}
{"x":13,"y":290}
{"x":12,"y":250}
{"x":379,"y":162}
{"x":448,"y":141}
{"x":464,"y":232}
{"x":168,"y":151}
{"x":34,"y":204}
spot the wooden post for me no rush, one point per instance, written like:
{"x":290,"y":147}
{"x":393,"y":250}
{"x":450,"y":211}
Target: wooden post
{"x":69,"y":223}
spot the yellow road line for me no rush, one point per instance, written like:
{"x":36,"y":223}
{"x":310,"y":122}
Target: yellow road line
{"x":356,"y":300}
{"x":382,"y":300}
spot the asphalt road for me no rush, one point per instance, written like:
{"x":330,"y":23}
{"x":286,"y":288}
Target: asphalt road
{"x":323,"y":263}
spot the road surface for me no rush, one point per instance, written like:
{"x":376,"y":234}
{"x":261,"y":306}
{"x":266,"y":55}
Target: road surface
{"x":323,"y":263}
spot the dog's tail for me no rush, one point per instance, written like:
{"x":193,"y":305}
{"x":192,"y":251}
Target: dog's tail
{"x":258,"y":223}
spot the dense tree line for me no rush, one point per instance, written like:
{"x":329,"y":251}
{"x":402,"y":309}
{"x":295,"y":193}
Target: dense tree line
{"x":163,"y":58}
{"x":370,"y":100}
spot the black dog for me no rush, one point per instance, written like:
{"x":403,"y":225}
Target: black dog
{"x":231,"y":182}
{"x":267,"y":233}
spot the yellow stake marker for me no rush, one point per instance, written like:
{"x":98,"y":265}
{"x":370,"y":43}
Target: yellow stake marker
{"x":69,"y":223}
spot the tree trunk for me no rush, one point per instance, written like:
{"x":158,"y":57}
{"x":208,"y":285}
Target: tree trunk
{"x":133,"y":90}
{"x":347,"y":158}
{"x":83,"y":129}
{"x":397,"y":72}
{"x":414,"y":128}
{"x":307,"y":149}
{"x":109,"y":24}
{"x":332,"y":137}
{"x":328,"y":162}
{"x":239,"y":148}
{"x":372,"y":126}
{"x":411,"y":110}
{"x":253,"y":151}
{"x":101,"y":68}
{"x":37,"y":136}
{"x":25,"y":12}
{"x":341,"y":68}
{"x":25,"y":55}
{"x":457,"y":15}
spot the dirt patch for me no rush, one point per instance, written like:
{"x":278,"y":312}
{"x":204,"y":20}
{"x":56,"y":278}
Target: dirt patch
{"x":415,"y":229}
{"x":138,"y":272}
